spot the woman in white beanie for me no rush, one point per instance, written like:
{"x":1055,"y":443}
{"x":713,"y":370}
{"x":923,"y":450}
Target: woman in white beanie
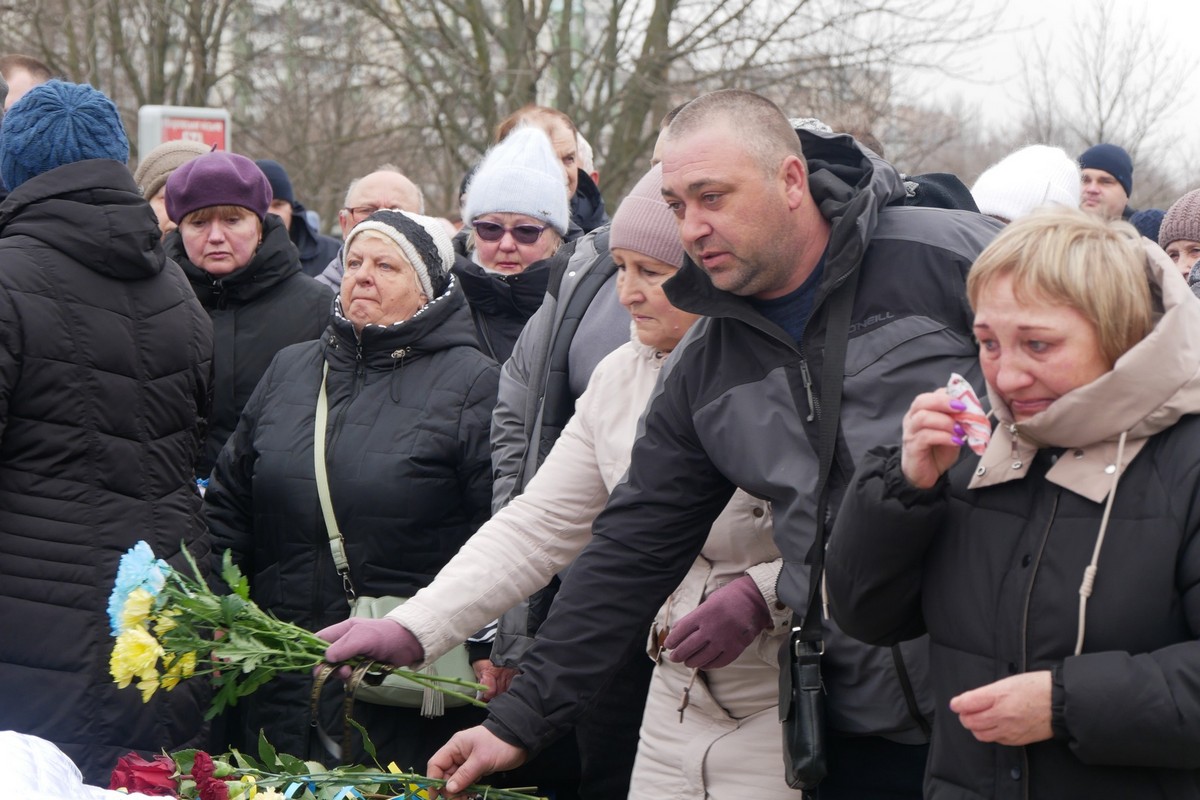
{"x":516,"y":212}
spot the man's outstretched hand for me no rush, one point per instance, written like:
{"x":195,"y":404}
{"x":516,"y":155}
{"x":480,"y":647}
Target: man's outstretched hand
{"x":470,"y":755}
{"x":382,"y":640}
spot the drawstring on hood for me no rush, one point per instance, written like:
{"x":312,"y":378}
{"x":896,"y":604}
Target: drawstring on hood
{"x":1089,"y":574}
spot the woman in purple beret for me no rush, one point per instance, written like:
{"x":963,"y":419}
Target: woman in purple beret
{"x":246,"y":273}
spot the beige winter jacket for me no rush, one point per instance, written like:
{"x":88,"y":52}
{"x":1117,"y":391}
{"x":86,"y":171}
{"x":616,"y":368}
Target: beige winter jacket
{"x":729,"y":740}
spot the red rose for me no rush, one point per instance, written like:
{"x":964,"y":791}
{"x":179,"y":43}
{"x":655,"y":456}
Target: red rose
{"x":213,"y":789}
{"x":202,"y":767}
{"x":148,"y":777}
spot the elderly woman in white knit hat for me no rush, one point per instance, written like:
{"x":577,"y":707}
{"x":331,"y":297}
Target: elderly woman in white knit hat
{"x":517,"y":213}
{"x":1180,"y":234}
{"x":723,"y":625}
{"x":404,"y":474}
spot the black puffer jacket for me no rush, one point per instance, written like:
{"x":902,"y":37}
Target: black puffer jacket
{"x":256,"y":312}
{"x":105,"y":358}
{"x":409,"y":475}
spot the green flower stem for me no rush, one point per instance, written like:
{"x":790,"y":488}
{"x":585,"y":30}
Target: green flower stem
{"x":336,"y":777}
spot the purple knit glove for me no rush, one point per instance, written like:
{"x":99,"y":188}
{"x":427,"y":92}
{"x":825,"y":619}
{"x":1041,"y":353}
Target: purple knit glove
{"x":383,"y":640}
{"x":721,"y":627}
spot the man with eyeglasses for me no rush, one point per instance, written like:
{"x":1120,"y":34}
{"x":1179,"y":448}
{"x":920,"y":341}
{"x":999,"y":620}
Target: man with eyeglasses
{"x":386,"y":187}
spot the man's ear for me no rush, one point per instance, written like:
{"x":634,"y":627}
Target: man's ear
{"x":794,"y":173}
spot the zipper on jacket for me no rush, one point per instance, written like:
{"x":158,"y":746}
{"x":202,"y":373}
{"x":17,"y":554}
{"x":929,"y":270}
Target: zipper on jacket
{"x":813,"y":405}
{"x":1037,"y":561}
{"x":218,"y":288}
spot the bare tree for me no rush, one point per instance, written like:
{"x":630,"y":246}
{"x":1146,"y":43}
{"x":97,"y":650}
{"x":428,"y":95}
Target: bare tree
{"x":616,"y":66}
{"x":1110,"y":81}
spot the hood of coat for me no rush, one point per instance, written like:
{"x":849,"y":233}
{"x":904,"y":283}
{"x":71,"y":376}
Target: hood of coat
{"x":497,"y":295}
{"x":91,"y":212}
{"x":440,"y":324}
{"x":1147,"y":391}
{"x":587,"y":205}
{"x":850,"y":185}
{"x":275,"y":260}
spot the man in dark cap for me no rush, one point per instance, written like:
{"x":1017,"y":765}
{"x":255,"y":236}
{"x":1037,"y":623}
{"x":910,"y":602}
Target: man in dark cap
{"x":316,"y":249}
{"x":1107,"y":172}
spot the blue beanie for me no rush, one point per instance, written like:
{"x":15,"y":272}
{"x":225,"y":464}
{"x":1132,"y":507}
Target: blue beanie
{"x":281,"y":184}
{"x":1148,"y":222}
{"x":1111,"y":159}
{"x":58,"y":123}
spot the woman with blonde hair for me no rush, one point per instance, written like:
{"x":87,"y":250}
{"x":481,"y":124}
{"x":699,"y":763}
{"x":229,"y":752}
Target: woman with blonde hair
{"x":1056,"y":568}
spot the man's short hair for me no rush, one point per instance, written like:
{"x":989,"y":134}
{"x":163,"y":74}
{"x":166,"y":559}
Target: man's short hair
{"x":1066,"y":257}
{"x":762,"y":125}
{"x":38,"y":69}
{"x":535,"y":114}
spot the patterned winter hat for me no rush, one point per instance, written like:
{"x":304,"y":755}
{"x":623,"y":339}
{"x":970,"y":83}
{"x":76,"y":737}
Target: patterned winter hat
{"x":59,"y":123}
{"x":423,"y":240}
{"x":1182,"y":221}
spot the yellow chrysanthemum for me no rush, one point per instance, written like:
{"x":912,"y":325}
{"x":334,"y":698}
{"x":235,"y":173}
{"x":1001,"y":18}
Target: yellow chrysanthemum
{"x":136,"y":610}
{"x":148,"y":685}
{"x":165,"y":621}
{"x":135,"y":653}
{"x":178,"y":669}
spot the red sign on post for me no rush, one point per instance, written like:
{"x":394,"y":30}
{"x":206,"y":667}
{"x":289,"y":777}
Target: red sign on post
{"x":208,"y":131}
{"x":158,"y":124}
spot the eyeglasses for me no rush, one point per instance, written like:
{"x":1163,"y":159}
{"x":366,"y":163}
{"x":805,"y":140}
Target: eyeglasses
{"x":494,"y":232}
{"x":359,"y":213}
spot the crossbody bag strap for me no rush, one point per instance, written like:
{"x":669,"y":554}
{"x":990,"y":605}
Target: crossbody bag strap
{"x":337,"y":544}
{"x":833,"y":370}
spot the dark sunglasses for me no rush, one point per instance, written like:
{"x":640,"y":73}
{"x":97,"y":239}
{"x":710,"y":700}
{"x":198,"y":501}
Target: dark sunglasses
{"x":494,"y":232}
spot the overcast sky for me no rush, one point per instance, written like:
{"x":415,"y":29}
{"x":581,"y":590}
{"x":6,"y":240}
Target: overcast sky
{"x":995,"y":66}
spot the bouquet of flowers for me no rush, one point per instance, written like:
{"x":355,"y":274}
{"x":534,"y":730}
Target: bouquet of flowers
{"x":169,"y":626}
{"x":277,"y":776}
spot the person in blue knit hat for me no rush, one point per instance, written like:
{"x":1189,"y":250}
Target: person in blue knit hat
{"x":1107,"y":172}
{"x":105,"y":358}
{"x":59,"y":123}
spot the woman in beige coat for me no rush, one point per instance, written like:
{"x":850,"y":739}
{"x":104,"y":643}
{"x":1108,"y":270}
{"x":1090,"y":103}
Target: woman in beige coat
{"x":726,"y":742}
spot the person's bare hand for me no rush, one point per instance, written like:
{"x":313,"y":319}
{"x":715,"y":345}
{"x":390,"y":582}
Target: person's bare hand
{"x":496,"y":679}
{"x":1013,"y":711}
{"x":471,"y":754}
{"x":932,"y":439}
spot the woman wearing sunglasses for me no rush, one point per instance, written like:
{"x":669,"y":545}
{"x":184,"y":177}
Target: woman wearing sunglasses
{"x":517,"y":215}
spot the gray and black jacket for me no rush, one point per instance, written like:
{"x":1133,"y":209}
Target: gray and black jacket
{"x":733,"y":410}
{"x":578,"y":324}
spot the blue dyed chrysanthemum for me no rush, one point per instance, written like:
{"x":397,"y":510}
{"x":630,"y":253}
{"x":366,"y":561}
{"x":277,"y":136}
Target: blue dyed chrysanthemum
{"x":139,"y":569}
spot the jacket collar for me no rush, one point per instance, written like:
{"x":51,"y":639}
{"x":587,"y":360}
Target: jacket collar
{"x":275,"y":261}
{"x":1147,"y":391}
{"x":441,"y":323}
